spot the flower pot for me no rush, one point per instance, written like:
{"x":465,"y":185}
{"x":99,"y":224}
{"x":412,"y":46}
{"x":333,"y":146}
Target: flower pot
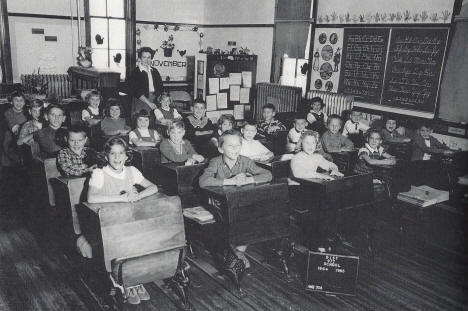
{"x":167,"y":52}
{"x":85,"y":63}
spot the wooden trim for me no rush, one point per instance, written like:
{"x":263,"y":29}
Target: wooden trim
{"x":42,"y":15}
{"x":313,"y":26}
{"x":130,"y":37}
{"x":5,"y":43}
{"x":87,"y":20}
{"x":205,"y":25}
{"x":272,"y":67}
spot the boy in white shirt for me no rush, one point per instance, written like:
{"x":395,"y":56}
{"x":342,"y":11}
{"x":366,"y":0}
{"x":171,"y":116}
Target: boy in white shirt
{"x":295,"y":133}
{"x":355,"y":128}
{"x":252,"y":148}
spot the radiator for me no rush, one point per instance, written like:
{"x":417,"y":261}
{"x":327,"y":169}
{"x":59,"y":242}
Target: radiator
{"x":334,"y":103}
{"x":285,"y":98}
{"x":58,"y":84}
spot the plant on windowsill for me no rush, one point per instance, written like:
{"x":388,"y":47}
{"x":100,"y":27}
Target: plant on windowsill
{"x":84,"y":57}
{"x":168,"y":45}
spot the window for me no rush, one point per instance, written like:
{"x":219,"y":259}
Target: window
{"x":107,"y":34}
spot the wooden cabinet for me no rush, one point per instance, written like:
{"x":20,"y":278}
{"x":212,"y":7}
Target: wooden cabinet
{"x":103,"y":79}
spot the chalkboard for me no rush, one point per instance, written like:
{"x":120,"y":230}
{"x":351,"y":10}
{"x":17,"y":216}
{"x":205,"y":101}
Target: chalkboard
{"x":414,"y":68}
{"x":363,"y":65}
{"x":331,"y":273}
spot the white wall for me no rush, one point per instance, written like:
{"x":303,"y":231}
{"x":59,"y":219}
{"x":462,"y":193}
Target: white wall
{"x":171,"y":11}
{"x":30,"y":51}
{"x":216,"y":12}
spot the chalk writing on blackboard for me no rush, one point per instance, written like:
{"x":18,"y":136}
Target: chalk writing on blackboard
{"x":413,"y":68}
{"x":364,"y":53}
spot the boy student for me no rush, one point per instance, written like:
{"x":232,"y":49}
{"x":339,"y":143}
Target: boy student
{"x":14,"y":118}
{"x":252,"y":148}
{"x":48,"y":136}
{"x":295,"y":133}
{"x":390,"y":132}
{"x":355,"y":128}
{"x":269,"y":125}
{"x":71,"y":160}
{"x":332,"y":140}
{"x":425,"y":145}
{"x":233,"y":169}
{"x":176,"y":148}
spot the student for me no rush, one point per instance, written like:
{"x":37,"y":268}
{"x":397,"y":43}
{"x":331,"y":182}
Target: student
{"x":49,"y":137}
{"x":91,"y":114}
{"x":252,"y":148}
{"x":199,"y":128}
{"x":316,"y":117}
{"x":304,"y":164}
{"x":34,"y":124}
{"x":332,"y":140}
{"x":71,"y":161}
{"x":269,"y":125}
{"x":142,"y":135}
{"x":233,"y":169}
{"x":318,"y":148}
{"x":373,"y":153}
{"x":391,"y":134}
{"x":165,"y":114}
{"x":295,"y":133}
{"x":14,"y":118}
{"x":116,"y":182}
{"x":225,"y":123}
{"x":355,"y":128}
{"x":425,"y":145}
{"x":113,"y":124}
{"x":176,"y":148}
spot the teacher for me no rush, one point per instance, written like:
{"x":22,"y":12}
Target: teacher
{"x":146,"y":82}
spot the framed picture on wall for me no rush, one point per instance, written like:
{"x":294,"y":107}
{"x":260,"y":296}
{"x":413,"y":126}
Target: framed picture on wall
{"x":201,"y":67}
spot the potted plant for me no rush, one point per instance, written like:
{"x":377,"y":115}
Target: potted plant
{"x":84,"y":56}
{"x":168,"y":45}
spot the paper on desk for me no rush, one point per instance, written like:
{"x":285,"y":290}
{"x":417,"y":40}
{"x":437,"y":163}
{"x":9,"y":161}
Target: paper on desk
{"x":235,"y":78}
{"x":214,"y":85}
{"x":211,"y":102}
{"x":247,"y":78}
{"x":244,"y":96}
{"x":223,"y":83}
{"x":222,"y":101}
{"x":234,"y":92}
{"x":239,"y":112}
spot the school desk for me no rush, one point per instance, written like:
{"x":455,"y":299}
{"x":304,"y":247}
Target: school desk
{"x":138,"y":242}
{"x":145,"y":159}
{"x":323,"y":200}
{"x":179,"y":179}
{"x":246,"y":215}
{"x":42,"y":170}
{"x":279,"y":168}
{"x":345,"y":160}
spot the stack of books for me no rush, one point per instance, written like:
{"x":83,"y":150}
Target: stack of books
{"x":423,"y":196}
{"x":199,"y":214}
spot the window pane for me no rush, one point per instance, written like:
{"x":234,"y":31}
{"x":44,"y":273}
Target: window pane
{"x":114,"y":58}
{"x":116,"y":34}
{"x":97,"y":7}
{"x":115,"y":8}
{"x":99,"y":36}
{"x":100,"y":58}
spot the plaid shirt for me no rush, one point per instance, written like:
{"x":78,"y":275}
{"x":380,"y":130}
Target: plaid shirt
{"x":263,"y":127}
{"x":70,"y":163}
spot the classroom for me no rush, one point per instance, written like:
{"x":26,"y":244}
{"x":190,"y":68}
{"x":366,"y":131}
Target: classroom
{"x":233,"y":155}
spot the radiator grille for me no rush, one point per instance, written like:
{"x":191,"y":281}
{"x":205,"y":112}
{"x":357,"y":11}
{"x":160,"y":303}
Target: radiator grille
{"x":58,"y":84}
{"x":334,"y":103}
{"x":285,"y":98}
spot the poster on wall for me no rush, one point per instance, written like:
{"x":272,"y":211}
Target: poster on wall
{"x":172,"y":48}
{"x":326,"y":60}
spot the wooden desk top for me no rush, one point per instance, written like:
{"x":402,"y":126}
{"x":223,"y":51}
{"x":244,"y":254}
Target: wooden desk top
{"x":224,"y":190}
{"x":335,"y":180}
{"x":95,"y":207}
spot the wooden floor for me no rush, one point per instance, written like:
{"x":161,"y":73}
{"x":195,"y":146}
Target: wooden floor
{"x":34,"y":275}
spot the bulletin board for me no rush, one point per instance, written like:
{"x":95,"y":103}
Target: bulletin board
{"x":326,"y":67}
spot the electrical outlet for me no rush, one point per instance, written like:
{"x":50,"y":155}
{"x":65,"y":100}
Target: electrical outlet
{"x":231,"y":43}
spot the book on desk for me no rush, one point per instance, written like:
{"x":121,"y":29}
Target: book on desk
{"x":423,"y":196}
{"x":199,"y":214}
